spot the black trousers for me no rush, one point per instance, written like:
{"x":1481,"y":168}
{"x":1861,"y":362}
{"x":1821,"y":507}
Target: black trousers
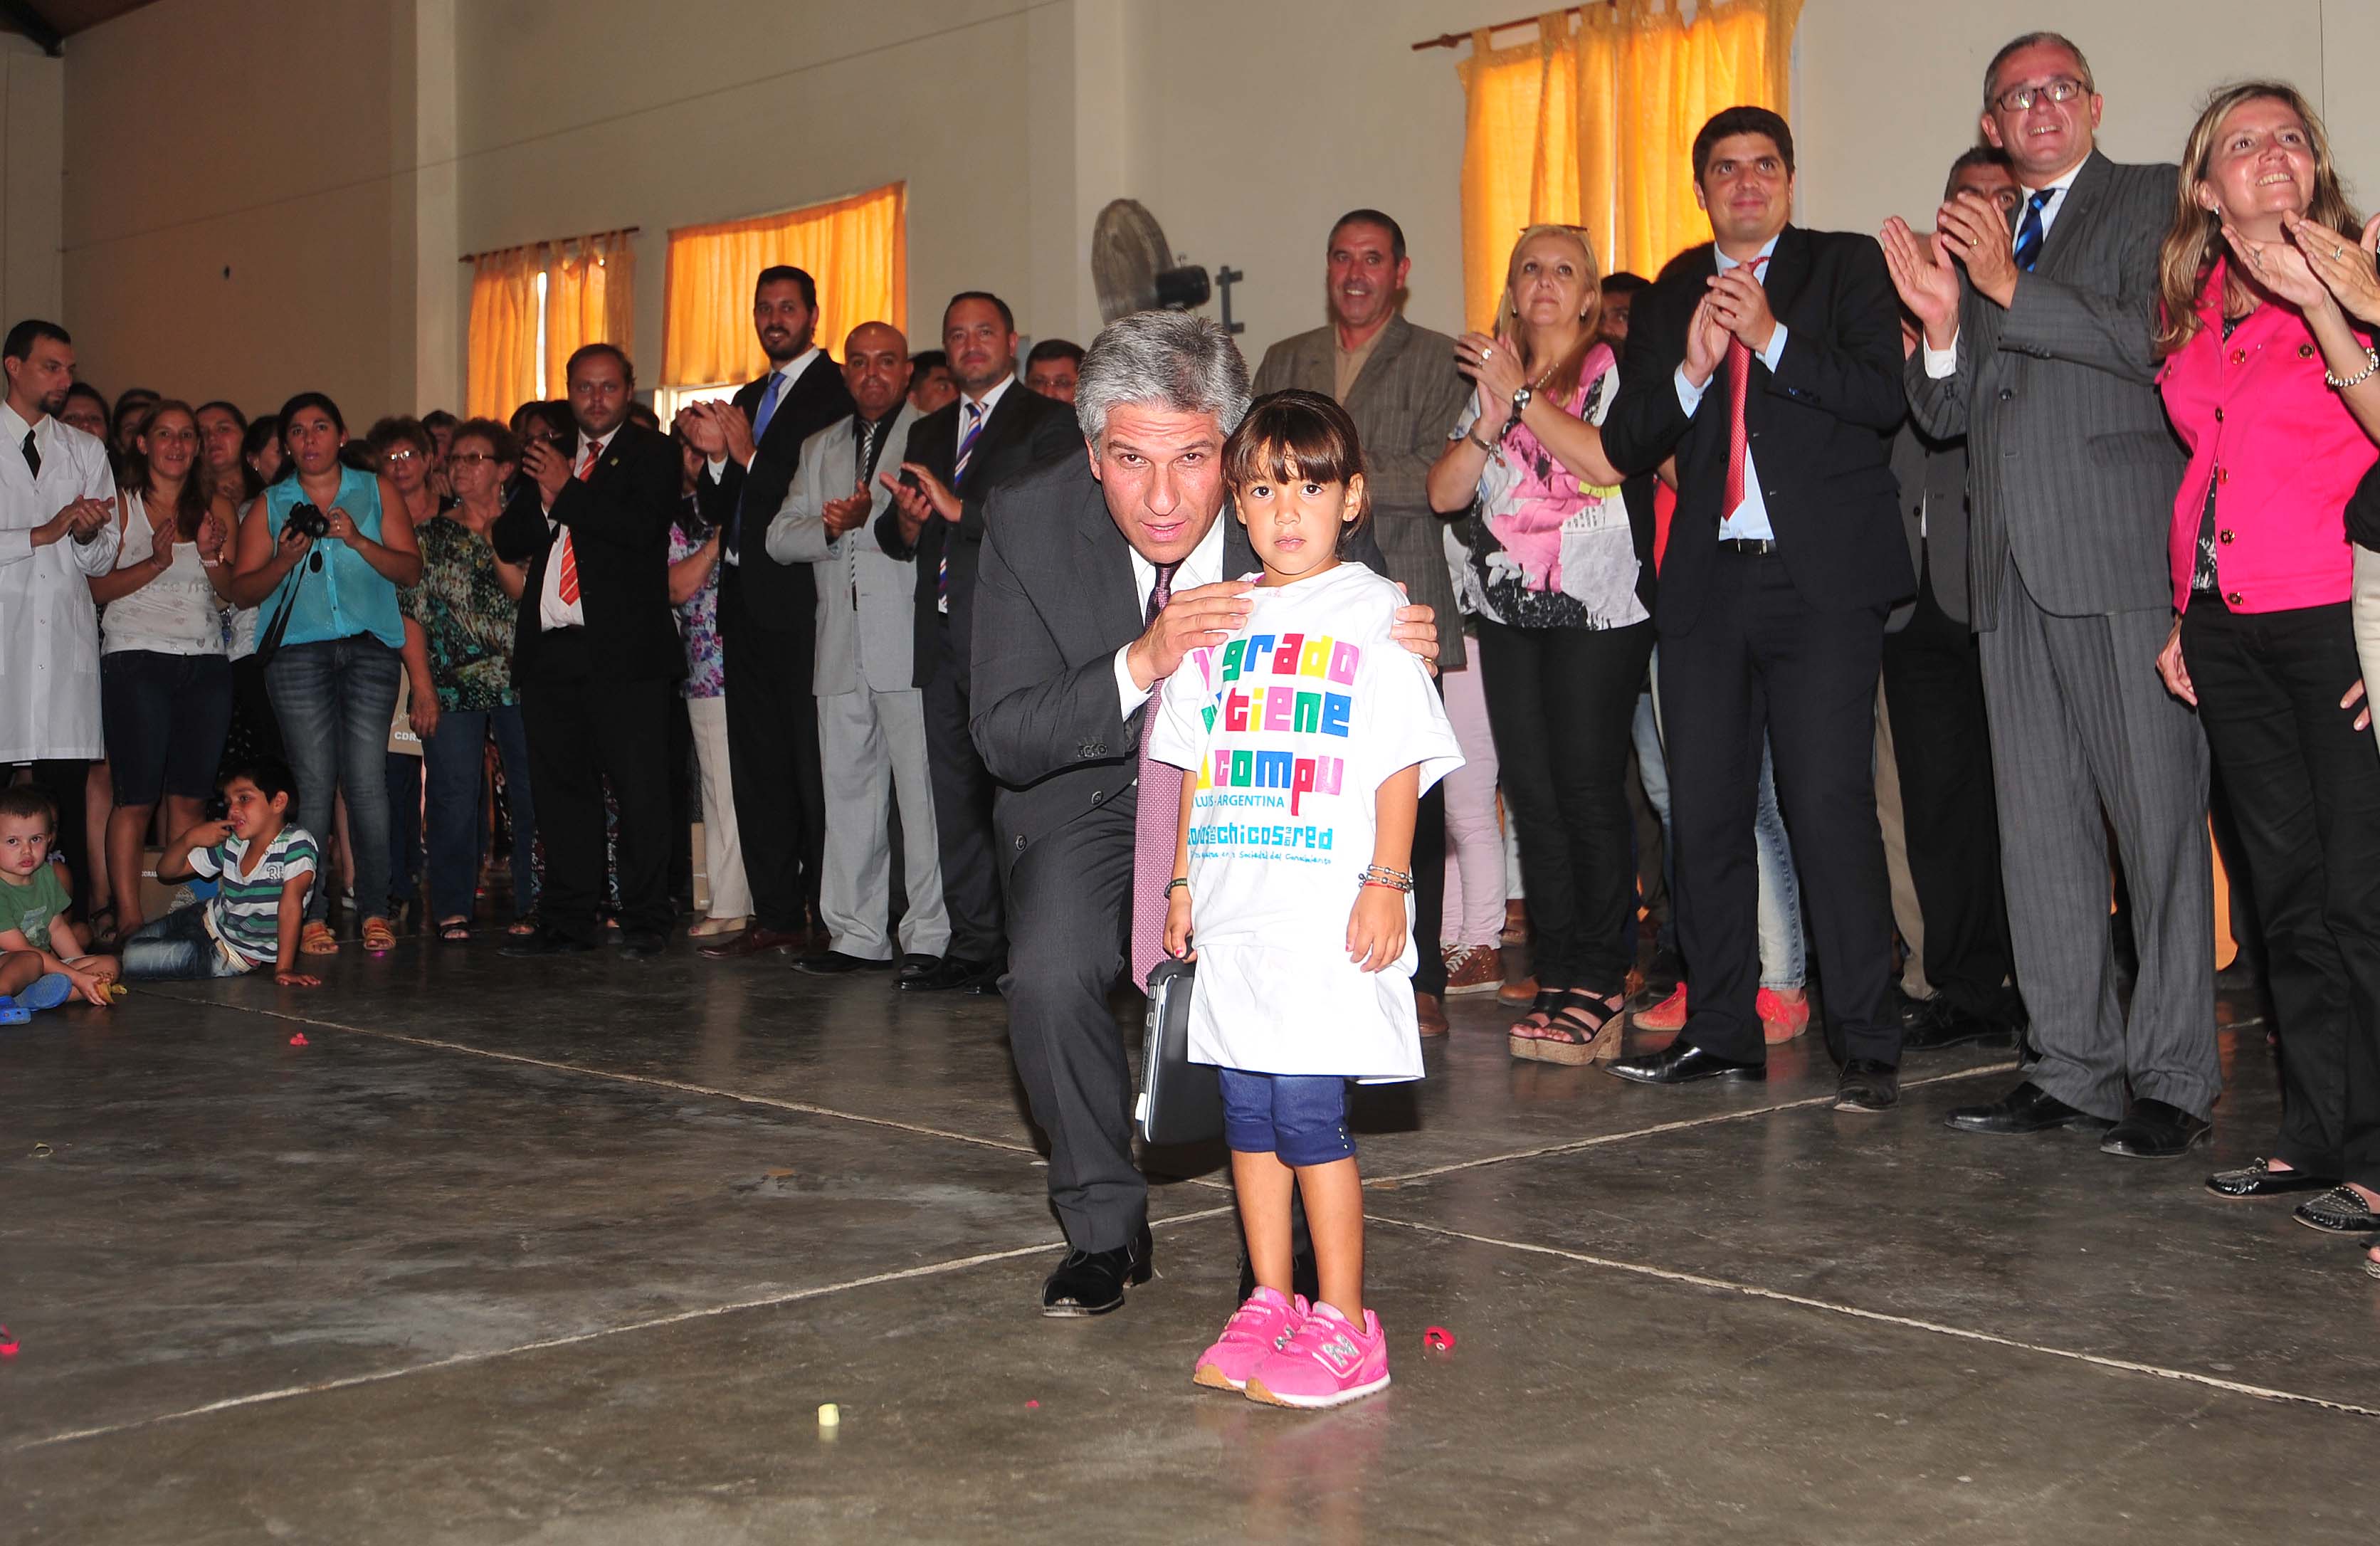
{"x":583,"y":729}
{"x":1561,"y":702}
{"x":772,"y":757}
{"x":1429,"y":891}
{"x":1066,"y":951}
{"x":65,"y":780}
{"x":963,"y":792}
{"x":2305,"y":793}
{"x":1941,"y":742}
{"x":1760,"y":659}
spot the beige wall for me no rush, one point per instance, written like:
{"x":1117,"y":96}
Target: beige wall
{"x":402,"y":133}
{"x":32,"y":170}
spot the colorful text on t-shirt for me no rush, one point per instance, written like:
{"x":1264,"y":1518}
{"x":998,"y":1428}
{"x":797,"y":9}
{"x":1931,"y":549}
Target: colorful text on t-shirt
{"x":1258,"y":685}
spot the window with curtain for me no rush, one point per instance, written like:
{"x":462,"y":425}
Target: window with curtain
{"x":531,"y":307}
{"x":1592,"y":124}
{"x":857,"y":249}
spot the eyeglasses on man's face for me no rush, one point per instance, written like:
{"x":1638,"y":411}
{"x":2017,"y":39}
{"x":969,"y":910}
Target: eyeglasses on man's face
{"x":2020,"y":99}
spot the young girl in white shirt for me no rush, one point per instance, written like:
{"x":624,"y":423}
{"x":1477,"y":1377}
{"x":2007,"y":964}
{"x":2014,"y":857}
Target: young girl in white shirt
{"x":1308,"y":737}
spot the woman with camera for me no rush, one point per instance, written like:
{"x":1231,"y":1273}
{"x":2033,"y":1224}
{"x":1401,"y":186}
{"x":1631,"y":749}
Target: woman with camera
{"x":324,"y":566}
{"x":164,"y":680}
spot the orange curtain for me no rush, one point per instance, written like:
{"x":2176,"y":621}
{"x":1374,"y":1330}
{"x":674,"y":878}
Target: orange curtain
{"x":1592,"y":124}
{"x":857,"y":249}
{"x":503,"y":368}
{"x":591,"y":296}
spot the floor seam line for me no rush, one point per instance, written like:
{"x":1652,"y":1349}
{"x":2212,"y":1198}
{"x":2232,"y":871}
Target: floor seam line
{"x":1964,"y":1333}
{"x":682,"y":1086}
{"x":1574,"y":1146}
{"x":657,"y":1322}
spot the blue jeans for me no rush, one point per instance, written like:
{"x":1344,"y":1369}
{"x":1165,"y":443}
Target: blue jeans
{"x":457,"y":769}
{"x":1301,"y":1119}
{"x":1784,"y":962}
{"x":175,"y":948}
{"x":335,"y":699}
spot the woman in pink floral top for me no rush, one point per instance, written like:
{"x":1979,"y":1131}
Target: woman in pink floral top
{"x":1564,"y":635}
{"x":694,"y":589}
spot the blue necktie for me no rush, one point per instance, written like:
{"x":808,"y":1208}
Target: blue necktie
{"x":958,"y":477}
{"x":2030,"y":235}
{"x":759,"y":427}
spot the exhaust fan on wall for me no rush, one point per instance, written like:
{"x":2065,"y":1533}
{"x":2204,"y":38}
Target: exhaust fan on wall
{"x":1134,"y":269}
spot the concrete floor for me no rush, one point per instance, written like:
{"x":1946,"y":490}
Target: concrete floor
{"x":573,"y":1251}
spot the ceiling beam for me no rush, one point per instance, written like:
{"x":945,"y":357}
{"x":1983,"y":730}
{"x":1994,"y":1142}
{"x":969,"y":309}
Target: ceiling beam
{"x":21,"y":15}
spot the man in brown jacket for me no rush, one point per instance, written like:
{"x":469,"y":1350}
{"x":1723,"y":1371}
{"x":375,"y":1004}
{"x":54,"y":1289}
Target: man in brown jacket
{"x":1399,"y":384}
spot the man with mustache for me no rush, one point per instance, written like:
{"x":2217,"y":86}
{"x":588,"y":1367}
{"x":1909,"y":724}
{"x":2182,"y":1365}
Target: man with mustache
{"x":1399,"y":384}
{"x":768,"y":612}
{"x":57,"y":530}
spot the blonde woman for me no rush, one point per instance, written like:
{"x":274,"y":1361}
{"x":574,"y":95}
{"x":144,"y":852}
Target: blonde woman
{"x":2273,"y":386}
{"x":1564,"y":634}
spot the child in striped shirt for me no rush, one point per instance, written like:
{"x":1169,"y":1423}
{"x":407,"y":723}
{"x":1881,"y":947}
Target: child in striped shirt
{"x":262,"y":865}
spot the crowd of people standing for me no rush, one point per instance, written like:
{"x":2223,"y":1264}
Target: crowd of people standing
{"x":2064,"y":509}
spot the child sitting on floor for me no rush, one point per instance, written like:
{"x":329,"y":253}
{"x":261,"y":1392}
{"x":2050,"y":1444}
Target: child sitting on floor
{"x":262,"y":865}
{"x":1308,"y":737}
{"x":43,"y":963}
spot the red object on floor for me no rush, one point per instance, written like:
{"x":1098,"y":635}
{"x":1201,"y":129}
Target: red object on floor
{"x":298,"y":1040}
{"x":7,"y":1344}
{"x":1033,"y":1406}
{"x":1438,"y":1339}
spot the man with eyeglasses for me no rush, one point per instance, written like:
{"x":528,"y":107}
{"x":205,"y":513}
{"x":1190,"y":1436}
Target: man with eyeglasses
{"x":2041,"y":355}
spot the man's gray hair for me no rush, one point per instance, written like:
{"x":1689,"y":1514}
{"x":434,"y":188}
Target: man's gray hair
{"x":1168,"y":359}
{"x":2032,"y":40}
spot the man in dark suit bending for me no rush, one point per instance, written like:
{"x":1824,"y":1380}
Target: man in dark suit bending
{"x":1068,"y":648}
{"x":994,"y":431}
{"x":597,"y":656}
{"x":1768,"y":363}
{"x":768,"y":612}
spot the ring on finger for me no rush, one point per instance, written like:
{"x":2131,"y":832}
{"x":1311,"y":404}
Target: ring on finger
{"x":1486,"y":354}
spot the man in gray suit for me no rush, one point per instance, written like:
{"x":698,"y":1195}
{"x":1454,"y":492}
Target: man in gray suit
{"x":871,"y":714}
{"x":1097,"y":576}
{"x":2042,"y":358}
{"x":1399,"y":384}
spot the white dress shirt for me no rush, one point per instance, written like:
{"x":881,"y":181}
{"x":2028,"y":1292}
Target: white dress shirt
{"x":49,"y":630}
{"x":1942,"y":364}
{"x":792,"y":370}
{"x":553,"y":612}
{"x":1204,"y":566}
{"x":1751,"y":517}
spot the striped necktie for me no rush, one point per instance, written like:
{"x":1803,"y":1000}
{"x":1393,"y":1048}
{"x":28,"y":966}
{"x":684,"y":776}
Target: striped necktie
{"x":2032,"y":233}
{"x":958,"y":481}
{"x":566,"y":582}
{"x":1157,"y":819}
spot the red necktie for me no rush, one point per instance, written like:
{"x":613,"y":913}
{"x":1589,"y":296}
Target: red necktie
{"x":566,"y":584}
{"x":1157,"y":820}
{"x":1738,"y":370}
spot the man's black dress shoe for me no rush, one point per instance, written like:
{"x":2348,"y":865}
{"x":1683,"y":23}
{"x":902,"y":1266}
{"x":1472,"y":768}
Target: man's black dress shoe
{"x":1680,"y":1064}
{"x":834,"y":963}
{"x":917,"y":966}
{"x":954,"y":973}
{"x":549,"y":942}
{"x":2261,"y":1180}
{"x":2153,"y":1130}
{"x":1092,"y":1283}
{"x":2026,"y":1109}
{"x":1937,"y":1023}
{"x":1868,"y":1085}
{"x":640,"y":944}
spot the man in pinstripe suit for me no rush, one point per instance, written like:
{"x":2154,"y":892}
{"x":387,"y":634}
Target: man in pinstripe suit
{"x":2041,"y":358}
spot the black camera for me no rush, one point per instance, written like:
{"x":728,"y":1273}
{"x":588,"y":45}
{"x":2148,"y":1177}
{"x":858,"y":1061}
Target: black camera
{"x":307,"y":521}
{"x":217,"y":808}
{"x":909,"y":481}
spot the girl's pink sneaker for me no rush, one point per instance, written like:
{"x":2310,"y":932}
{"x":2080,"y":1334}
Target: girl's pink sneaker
{"x":1326,"y":1361}
{"x":1255,"y":1331}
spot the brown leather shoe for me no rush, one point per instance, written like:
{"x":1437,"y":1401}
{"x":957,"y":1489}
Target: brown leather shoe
{"x":754,"y":942}
{"x":1430,"y":1014}
{"x":1519,"y":991}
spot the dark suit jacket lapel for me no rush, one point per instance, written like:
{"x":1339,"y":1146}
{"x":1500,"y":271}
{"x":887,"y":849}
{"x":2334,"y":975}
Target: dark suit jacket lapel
{"x":1103,"y":561}
{"x":2074,"y":214}
{"x":1007,"y":419}
{"x":1789,"y":270}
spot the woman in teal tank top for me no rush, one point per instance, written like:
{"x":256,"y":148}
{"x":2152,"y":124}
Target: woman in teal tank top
{"x":334,"y":678}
